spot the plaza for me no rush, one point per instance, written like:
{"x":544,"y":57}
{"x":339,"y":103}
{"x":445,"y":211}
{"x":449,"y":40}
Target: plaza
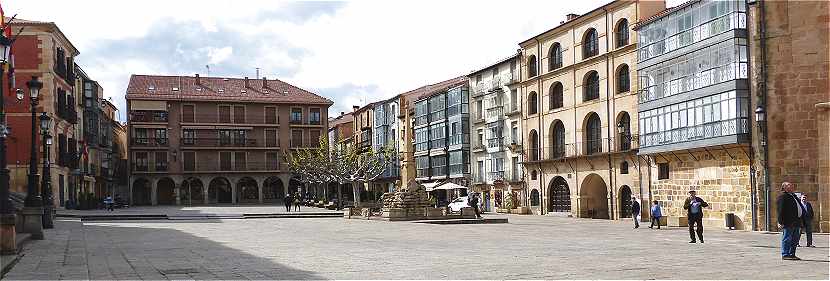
{"x":529,"y":247}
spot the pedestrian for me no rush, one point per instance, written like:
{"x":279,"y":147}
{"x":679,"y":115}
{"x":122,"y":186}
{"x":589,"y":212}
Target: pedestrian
{"x":297,"y":200}
{"x":694,"y":212}
{"x":790,"y":218}
{"x":808,"y":220}
{"x":635,"y":211}
{"x":472,"y":200}
{"x":287,"y":200}
{"x":108,"y":202}
{"x":656,"y":215}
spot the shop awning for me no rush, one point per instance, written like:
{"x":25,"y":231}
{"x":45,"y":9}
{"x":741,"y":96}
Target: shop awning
{"x":450,"y":186}
{"x":430,"y":185}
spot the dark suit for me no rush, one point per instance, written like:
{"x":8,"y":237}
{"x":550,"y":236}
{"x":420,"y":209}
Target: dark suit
{"x":808,"y":222}
{"x":695,"y":218}
{"x":788,"y":217}
{"x":635,"y":211}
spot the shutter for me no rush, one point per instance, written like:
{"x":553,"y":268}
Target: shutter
{"x":239,"y":161}
{"x":272,"y":159}
{"x":224,"y":114}
{"x":187,"y":113}
{"x":270,"y":115}
{"x":239,"y":114}
{"x":225,"y":161}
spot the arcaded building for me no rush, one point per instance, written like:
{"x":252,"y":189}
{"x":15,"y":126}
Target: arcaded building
{"x":204,"y":140}
{"x":579,"y":118}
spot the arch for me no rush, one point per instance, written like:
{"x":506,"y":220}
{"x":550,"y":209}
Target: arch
{"x":534,"y":145}
{"x":624,"y":131}
{"x":557,"y":139}
{"x":555,"y":56}
{"x":590,"y":44}
{"x":625,"y":202}
{"x":621,"y":33}
{"x":556,"y":96}
{"x":192,"y":191}
{"x":331,"y":191}
{"x":531,"y":66}
{"x":219,"y":191}
{"x":593,"y":195}
{"x":559,"y":195}
{"x":593,"y":134}
{"x":247,"y":190}
{"x":272,"y":190}
{"x":534,"y":198}
{"x":533,"y":103}
{"x":623,"y":79}
{"x":590,"y":86}
{"x":165,"y":192}
{"x":142,"y":192}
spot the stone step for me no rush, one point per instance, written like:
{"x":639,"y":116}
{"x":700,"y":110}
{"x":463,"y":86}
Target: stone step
{"x":465,"y":221}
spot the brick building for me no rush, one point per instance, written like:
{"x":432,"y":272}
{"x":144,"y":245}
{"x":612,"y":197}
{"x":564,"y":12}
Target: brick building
{"x":203,"y":140}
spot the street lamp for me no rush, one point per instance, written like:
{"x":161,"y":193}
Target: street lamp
{"x":46,"y":182}
{"x":761,"y":119}
{"x":625,"y":135}
{"x":7,"y":215}
{"x":33,"y":211}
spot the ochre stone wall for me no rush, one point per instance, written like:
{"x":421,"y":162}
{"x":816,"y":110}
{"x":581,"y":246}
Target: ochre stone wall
{"x":720,"y":179}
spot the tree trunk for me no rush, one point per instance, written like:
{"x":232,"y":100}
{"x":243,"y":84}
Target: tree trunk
{"x":339,"y":196}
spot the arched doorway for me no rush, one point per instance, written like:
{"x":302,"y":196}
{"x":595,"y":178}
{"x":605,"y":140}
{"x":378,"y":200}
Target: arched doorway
{"x":594,"y":197}
{"x":219,"y":191}
{"x":192,"y":192}
{"x":625,"y":202}
{"x":272,"y":190}
{"x":142,"y":193}
{"x":165,"y":192}
{"x":559,"y":196}
{"x":247,"y":191}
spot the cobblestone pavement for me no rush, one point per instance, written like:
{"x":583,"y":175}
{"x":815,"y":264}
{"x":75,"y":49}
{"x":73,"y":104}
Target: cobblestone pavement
{"x":529,"y":247}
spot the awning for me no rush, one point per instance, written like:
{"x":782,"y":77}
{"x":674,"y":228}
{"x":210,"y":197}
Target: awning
{"x":450,"y":186}
{"x":430,"y":185}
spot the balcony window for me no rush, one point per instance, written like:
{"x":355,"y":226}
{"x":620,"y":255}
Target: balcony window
{"x":623,"y":81}
{"x":555,"y":57}
{"x":593,"y":136}
{"x":224,"y":114}
{"x":591,"y":86}
{"x":141,"y":161}
{"x":161,"y":161}
{"x":189,"y":159}
{"x":225,"y":161}
{"x":314,"y":117}
{"x":531,"y":66}
{"x":271,"y":115}
{"x":621,"y":33}
{"x":296,"y":138}
{"x":556,"y":96}
{"x":272,"y":138}
{"x":240,"y":161}
{"x":296,"y":115}
{"x":188,"y":136}
{"x":590,"y":44}
{"x":161,"y":136}
{"x":188,"y":113}
{"x":533,"y":103}
{"x":422,"y":166}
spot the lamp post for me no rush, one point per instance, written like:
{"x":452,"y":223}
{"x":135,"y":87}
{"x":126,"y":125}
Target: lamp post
{"x":761,"y":119}
{"x":46,"y":181}
{"x":33,"y":210}
{"x":625,"y":135}
{"x":8,"y":245}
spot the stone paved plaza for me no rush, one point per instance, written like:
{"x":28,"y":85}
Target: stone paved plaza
{"x":529,"y":247}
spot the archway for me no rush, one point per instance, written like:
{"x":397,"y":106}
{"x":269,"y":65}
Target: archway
{"x":165,"y":192}
{"x":219,"y":191}
{"x":192,"y":192}
{"x":247,"y":191}
{"x":559,"y":196}
{"x":625,"y":202}
{"x":295,"y":185}
{"x":593,"y":197}
{"x":272,"y":190}
{"x":142,"y":193}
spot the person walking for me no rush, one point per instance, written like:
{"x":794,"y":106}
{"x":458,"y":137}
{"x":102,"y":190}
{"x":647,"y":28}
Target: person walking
{"x":472,"y":200}
{"x":108,"y":202}
{"x":694,"y":212}
{"x":297,"y":200}
{"x":656,"y":214}
{"x":808,"y":220}
{"x":790,"y":218}
{"x":635,"y":211}
{"x":287,"y":201}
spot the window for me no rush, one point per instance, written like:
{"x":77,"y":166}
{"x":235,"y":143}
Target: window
{"x":591,"y":86}
{"x":533,"y":103}
{"x":558,"y":140}
{"x":225,"y":160}
{"x":514,"y":100}
{"x":623,"y":81}
{"x":480,"y":139}
{"x":555,"y":57}
{"x":624,"y":167}
{"x":240,"y":160}
{"x":422,"y":139}
{"x":531,"y":66}
{"x":239,"y":114}
{"x":296,"y":115}
{"x":534,"y":145}
{"x":188,"y":113}
{"x":224,"y":114}
{"x":590,"y":45}
{"x":422,"y":166}
{"x":439,"y":165}
{"x":314,"y":117}
{"x":534,"y":198}
{"x":141,"y":161}
{"x":593,"y":135}
{"x":161,"y":161}
{"x":272,"y":161}
{"x":480,"y":109}
{"x":161,"y":136}
{"x":189,"y":159}
{"x":625,"y":135}
{"x":271,"y":115}
{"x":556,"y":96}
{"x":662,"y":171}
{"x":514,"y":132}
{"x":621,"y":33}
{"x":141,"y":136}
{"x":314,"y":137}
{"x":533,"y":175}
{"x":296,"y":138}
{"x":272,"y":138}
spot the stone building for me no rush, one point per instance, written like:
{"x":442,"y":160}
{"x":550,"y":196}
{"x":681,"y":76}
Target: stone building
{"x":386,"y":126}
{"x":790,"y":59}
{"x":203,"y":140}
{"x":694,"y":109}
{"x":496,"y":128}
{"x":579,"y":93}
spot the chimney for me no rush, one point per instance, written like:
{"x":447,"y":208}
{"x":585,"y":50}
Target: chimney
{"x":355,"y":107}
{"x":571,"y":16}
{"x":246,"y":82}
{"x":198,"y":81}
{"x":341,"y":113}
{"x":264,"y":82}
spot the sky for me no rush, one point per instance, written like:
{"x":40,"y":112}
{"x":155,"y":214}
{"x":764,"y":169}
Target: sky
{"x":352,"y":52}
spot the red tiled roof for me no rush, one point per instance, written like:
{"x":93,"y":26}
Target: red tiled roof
{"x":342,"y":119}
{"x":428,"y":90}
{"x":208,"y":89}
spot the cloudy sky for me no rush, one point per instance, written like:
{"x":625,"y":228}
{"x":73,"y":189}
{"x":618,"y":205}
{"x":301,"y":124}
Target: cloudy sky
{"x":351,"y":52}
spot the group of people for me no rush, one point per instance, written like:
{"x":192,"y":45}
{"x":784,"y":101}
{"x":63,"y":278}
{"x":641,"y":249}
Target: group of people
{"x":795,"y":213}
{"x":292,"y":199}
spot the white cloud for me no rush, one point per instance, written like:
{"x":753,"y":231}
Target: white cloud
{"x":218,"y":55}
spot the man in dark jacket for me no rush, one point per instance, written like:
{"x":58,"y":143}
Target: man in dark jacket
{"x":472,"y":200}
{"x":790,"y":217}
{"x":694,"y":211}
{"x":635,"y":211}
{"x":288,"y":199}
{"x":808,"y":220}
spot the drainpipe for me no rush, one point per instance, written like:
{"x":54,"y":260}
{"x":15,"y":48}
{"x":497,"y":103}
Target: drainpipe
{"x":762,"y":87}
{"x":539,"y":111}
{"x":608,"y":98}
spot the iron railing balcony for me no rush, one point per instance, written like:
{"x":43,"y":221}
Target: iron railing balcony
{"x":495,"y":176}
{"x":219,"y":142}
{"x":230,"y":166}
{"x":494,"y":143}
{"x":150,"y":142}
